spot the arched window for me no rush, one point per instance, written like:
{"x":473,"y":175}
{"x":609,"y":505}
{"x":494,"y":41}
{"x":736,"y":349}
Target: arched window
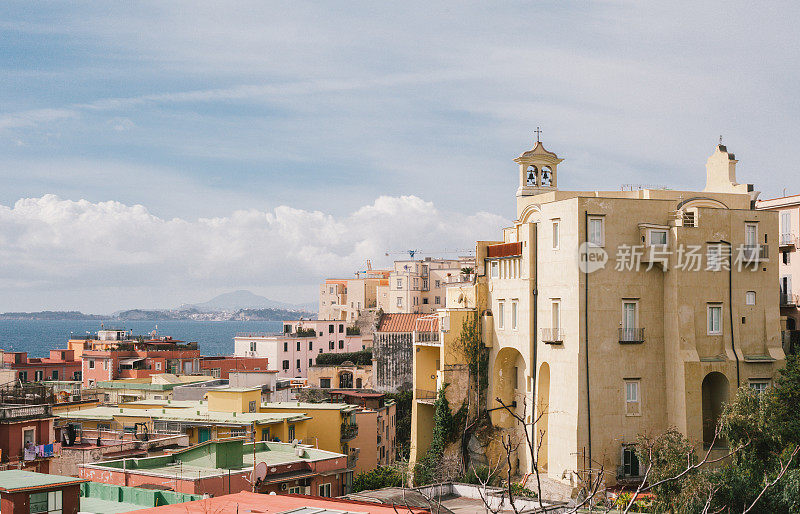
{"x":531,"y":175}
{"x":547,"y":176}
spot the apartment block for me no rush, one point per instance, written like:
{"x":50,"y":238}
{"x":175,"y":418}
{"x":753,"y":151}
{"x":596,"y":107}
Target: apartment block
{"x":344,"y":299}
{"x":609,"y":314}
{"x":61,"y":365}
{"x":418,"y":286}
{"x":295,"y":349}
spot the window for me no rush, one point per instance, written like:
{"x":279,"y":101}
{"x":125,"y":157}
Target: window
{"x":629,"y":315}
{"x":330,"y":329}
{"x":55,"y":374}
{"x":714,"y":257}
{"x":630,"y":462}
{"x":298,"y":364}
{"x":238,"y":432}
{"x":252,"y":346}
{"x":39,"y":375}
{"x":46,"y":502}
{"x":23,"y":376}
{"x":424,"y":301}
{"x":751,"y":234}
{"x":158,"y":366}
{"x":714,"y":319}
{"x":105,"y":364}
{"x":296,"y":490}
{"x":298,"y":346}
{"x":399,"y":283}
{"x":28,"y":436}
{"x":658,"y":237}
{"x":556,"y":235}
{"x":437,"y":300}
{"x":632,"y":398}
{"x":310,"y":363}
{"x":341,"y":345}
{"x":325,"y":383}
{"x":76,"y":375}
{"x":325,"y":490}
{"x":759,"y":386}
{"x":786,"y":227}
{"x":750,"y":298}
{"x":501,"y":314}
{"x":495,"y":269}
{"x":251,"y":406}
{"x":596,"y":235}
{"x":514,"y":315}
{"x":291,"y":432}
{"x":785,"y":257}
{"x":438,"y":283}
{"x":285,"y":365}
{"x":310,"y":345}
{"x":341,"y":328}
{"x":331,"y":345}
{"x":285,"y":346}
{"x":555,"y":306}
{"x":399,"y":301}
{"x":91,"y":363}
{"x":265,"y":434}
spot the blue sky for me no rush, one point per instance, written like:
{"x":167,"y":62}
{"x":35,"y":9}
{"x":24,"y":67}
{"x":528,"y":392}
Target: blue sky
{"x":184,"y":112}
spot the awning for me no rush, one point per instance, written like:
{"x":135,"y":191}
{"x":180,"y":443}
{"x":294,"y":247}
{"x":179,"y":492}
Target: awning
{"x":130,"y":361}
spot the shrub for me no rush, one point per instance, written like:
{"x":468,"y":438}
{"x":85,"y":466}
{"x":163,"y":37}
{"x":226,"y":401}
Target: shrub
{"x":361,"y":358}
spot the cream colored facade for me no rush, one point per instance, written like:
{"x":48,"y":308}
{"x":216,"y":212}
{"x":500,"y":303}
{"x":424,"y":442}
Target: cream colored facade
{"x":605,"y":351}
{"x":788,"y":209}
{"x":420,"y":286}
{"x":344,"y":299}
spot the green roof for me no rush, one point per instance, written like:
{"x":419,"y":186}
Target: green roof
{"x":199,"y":461}
{"x":16,"y":479}
{"x":344,"y":407}
{"x":100,"y":498}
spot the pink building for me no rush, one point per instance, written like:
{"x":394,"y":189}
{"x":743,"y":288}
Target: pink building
{"x":61,"y":365}
{"x":296,"y":348}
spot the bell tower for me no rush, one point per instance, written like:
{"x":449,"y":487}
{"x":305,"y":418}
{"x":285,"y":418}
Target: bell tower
{"x":538,"y":170}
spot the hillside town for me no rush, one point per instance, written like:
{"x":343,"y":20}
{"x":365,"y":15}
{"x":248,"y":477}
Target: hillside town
{"x":595,"y":318}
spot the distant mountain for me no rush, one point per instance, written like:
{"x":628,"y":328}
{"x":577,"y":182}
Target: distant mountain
{"x":50,"y":315}
{"x":242,"y":299}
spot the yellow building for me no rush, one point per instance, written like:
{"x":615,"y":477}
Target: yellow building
{"x":614,"y":313}
{"x":331,"y":426}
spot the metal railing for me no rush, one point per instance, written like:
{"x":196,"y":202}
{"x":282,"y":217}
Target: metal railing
{"x":789,"y":299}
{"x":552,"y":335}
{"x":754,"y":253}
{"x":788,"y":240}
{"x":426,"y":337}
{"x":349,"y":431}
{"x":631,"y":335}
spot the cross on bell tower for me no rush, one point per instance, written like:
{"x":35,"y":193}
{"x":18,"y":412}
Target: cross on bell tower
{"x":537,"y":169}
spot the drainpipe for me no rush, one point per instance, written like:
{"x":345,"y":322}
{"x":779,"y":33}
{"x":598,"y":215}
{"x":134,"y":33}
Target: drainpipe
{"x":730,"y":307}
{"x":586,"y":335}
{"x":535,"y":319}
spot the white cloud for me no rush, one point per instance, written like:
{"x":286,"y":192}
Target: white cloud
{"x":49,"y":243}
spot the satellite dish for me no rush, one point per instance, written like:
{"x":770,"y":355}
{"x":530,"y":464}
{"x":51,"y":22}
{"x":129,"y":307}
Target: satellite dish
{"x":260,"y":472}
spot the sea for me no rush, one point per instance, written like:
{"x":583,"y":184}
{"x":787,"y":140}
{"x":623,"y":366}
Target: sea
{"x":38,"y":337}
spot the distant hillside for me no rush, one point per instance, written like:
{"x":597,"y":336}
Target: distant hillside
{"x":243,"y":299}
{"x":50,"y":315}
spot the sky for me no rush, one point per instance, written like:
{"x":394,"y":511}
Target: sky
{"x":159,"y":153}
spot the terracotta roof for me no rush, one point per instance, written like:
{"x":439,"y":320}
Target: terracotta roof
{"x":398,"y":322}
{"x":428,"y":323}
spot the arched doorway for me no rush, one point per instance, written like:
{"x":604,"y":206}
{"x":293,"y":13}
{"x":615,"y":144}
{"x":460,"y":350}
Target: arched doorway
{"x":541,"y":427}
{"x":509,"y":386}
{"x":345,"y":380}
{"x":716,"y":390}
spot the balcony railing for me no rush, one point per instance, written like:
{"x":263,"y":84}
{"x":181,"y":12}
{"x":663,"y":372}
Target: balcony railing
{"x":12,"y":413}
{"x":552,"y":335}
{"x":426,"y":337}
{"x":789,"y":240}
{"x":349,"y":431}
{"x":631,"y":335}
{"x":789,"y":299}
{"x":754,"y":253}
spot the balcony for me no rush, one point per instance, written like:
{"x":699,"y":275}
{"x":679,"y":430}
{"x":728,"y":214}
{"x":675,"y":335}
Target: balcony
{"x":349,"y":431}
{"x":425,"y":396}
{"x":10,"y":413}
{"x":631,"y":335}
{"x":426,"y":337}
{"x":789,"y":299}
{"x":753,"y":254}
{"x":788,"y":241}
{"x":552,"y":336}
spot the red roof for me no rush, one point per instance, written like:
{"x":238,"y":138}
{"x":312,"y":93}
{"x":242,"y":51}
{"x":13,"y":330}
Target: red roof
{"x":398,"y":322}
{"x":504,"y":250}
{"x":273,"y":503}
{"x":428,"y":323}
